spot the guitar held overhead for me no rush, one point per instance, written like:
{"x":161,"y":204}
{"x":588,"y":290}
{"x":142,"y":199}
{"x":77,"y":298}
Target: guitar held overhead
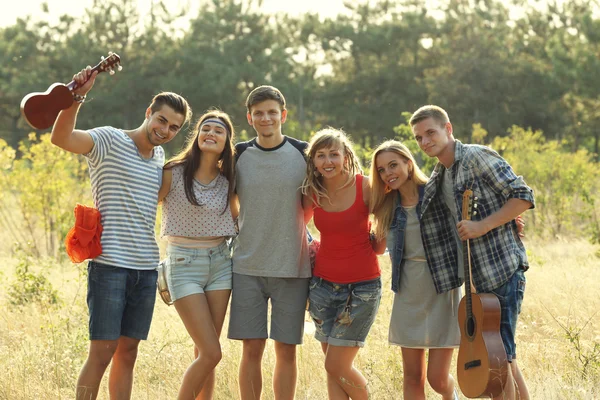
{"x":40,"y":110}
{"x":482,"y":365}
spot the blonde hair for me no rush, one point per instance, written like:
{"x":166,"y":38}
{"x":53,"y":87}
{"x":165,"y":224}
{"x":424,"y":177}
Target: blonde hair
{"x":382,"y":203}
{"x":325,"y":139}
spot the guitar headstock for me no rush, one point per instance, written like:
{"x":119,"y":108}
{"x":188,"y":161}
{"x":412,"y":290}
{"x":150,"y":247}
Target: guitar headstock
{"x":468,"y":204}
{"x":109,"y":64}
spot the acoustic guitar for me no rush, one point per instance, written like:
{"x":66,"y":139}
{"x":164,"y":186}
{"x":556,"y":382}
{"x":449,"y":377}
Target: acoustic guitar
{"x":40,"y":110}
{"x":482,"y":366}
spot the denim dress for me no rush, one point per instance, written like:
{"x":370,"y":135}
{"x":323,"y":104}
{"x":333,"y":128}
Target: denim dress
{"x":421,"y":318}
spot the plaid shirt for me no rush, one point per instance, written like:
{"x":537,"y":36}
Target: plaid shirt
{"x":496,"y":255}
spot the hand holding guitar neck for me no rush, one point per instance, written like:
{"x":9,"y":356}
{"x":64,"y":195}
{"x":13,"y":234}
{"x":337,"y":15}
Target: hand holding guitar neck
{"x":41,"y":109}
{"x":84,"y":81}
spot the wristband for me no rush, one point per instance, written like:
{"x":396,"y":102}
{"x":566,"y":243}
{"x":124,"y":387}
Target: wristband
{"x":78,"y":98}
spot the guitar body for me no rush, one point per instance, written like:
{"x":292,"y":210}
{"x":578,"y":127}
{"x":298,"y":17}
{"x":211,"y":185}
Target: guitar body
{"x":482,"y":365}
{"x":40,"y":110}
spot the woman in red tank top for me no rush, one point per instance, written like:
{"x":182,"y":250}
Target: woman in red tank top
{"x":346,"y":288}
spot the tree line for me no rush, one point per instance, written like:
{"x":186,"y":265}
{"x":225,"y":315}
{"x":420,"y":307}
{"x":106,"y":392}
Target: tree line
{"x":494,"y":63}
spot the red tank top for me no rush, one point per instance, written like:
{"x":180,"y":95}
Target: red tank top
{"x":346,"y":255}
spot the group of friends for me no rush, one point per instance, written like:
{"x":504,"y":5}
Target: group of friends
{"x":234,"y":218}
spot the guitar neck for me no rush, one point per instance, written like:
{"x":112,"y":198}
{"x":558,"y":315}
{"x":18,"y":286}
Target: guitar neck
{"x":73,"y":85}
{"x":106,"y":64}
{"x":467,"y":268}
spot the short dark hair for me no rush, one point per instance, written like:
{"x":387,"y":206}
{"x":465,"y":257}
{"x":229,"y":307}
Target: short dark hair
{"x":173,"y":100}
{"x":429,"y":111}
{"x":263,"y":93}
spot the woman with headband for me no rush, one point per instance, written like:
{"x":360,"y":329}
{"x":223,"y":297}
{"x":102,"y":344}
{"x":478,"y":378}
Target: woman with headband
{"x":199,"y":208}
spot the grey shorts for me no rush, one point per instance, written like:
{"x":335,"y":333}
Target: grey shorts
{"x":249,"y":308}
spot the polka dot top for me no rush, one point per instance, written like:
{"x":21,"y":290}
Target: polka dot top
{"x":182,"y":218}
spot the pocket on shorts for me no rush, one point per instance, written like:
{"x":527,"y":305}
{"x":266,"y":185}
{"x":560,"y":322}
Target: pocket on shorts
{"x":314,"y":282}
{"x":368,"y":293}
{"x":503,"y":291}
{"x":179,"y":259}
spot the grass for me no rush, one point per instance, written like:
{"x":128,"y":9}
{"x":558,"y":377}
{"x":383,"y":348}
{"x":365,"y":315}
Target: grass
{"x":42,"y":347}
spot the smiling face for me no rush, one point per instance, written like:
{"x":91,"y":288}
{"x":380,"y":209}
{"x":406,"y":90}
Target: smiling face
{"x":329,"y":161}
{"x":212,"y":136}
{"x":433,"y":137}
{"x":393,"y":169}
{"x":163,"y":125}
{"x":266,"y":118}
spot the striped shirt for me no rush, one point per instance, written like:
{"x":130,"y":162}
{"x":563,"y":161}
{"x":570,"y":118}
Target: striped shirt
{"x":125,"y":191}
{"x":496,"y":255}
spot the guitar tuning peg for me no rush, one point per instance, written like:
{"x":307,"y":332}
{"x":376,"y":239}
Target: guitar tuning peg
{"x":475,"y":198}
{"x":111,"y":71}
{"x":474,"y":213}
{"x":474,"y":205}
{"x":101,"y":58}
{"x":119,"y":67}
{"x":110,"y":53}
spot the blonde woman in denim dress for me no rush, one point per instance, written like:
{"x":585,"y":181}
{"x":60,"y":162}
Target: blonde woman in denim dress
{"x":422,"y":319}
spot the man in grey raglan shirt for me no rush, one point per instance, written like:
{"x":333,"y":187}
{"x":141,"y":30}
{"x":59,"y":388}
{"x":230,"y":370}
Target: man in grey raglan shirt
{"x":270,"y":256}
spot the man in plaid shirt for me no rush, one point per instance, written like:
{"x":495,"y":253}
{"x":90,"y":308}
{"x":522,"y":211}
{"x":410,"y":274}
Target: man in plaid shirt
{"x":498,"y":256}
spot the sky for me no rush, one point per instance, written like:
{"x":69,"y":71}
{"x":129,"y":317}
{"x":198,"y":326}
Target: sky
{"x":12,"y":10}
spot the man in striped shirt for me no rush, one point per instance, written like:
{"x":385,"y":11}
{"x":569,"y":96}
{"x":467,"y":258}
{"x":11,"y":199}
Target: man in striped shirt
{"x":125,"y":171}
{"x":498,"y":256}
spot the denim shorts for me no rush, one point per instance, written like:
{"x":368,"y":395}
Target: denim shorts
{"x":511,"y":297}
{"x":343,"y":313}
{"x":120,"y":301}
{"x":193,"y":270}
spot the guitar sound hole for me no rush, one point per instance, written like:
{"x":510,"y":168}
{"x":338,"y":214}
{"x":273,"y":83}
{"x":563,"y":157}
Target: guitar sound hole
{"x":470,"y":327}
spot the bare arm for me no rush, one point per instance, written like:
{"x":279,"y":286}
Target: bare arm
{"x":64,"y":134}
{"x":509,"y":211}
{"x":165,"y":187}
{"x":378,"y":246}
{"x":234,"y":205}
{"x":307,"y":206}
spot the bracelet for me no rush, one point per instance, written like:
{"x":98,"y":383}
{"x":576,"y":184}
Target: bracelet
{"x":78,"y":98}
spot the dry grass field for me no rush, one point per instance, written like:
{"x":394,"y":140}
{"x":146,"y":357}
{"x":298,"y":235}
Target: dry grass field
{"x":42,"y":346}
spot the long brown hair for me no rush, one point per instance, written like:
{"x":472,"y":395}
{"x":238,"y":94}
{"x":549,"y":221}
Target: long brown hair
{"x":324,"y":139}
{"x":381,"y":203}
{"x":191,"y":154}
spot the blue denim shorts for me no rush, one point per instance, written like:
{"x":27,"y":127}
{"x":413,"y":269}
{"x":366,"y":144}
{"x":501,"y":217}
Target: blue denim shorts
{"x":343,"y":313}
{"x":192,"y":271}
{"x":120,"y":301}
{"x":511,"y":297}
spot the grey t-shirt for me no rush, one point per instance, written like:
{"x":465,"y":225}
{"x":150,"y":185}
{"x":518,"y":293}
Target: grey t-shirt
{"x":272,"y":238}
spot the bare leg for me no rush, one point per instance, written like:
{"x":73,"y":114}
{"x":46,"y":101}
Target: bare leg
{"x":99,"y":356}
{"x":520,"y":385}
{"x":195,"y":312}
{"x":217,"y":303}
{"x":413,"y":361}
{"x":120,"y":379}
{"x":286,"y":373}
{"x":250,"y":375}
{"x":339,"y":364}
{"x":509,"y":389}
{"x":334,"y":390}
{"x":438,"y":372}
